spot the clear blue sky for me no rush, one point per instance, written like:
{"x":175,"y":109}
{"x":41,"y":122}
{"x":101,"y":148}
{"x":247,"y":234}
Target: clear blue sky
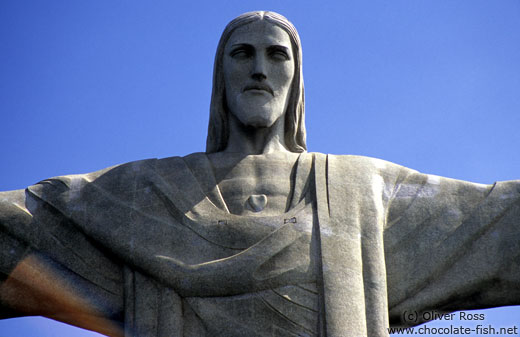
{"x":432,"y":85}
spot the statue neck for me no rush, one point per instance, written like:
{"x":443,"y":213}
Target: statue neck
{"x":251,"y":140}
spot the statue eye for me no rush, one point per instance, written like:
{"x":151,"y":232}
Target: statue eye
{"x":240,"y":53}
{"x":279,"y":54}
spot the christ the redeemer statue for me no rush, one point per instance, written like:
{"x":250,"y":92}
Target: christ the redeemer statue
{"x":256,"y":237}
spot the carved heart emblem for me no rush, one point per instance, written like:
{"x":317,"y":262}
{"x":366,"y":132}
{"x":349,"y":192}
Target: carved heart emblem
{"x":257,"y":202}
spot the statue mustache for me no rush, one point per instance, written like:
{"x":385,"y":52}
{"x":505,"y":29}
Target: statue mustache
{"x":259,"y":86}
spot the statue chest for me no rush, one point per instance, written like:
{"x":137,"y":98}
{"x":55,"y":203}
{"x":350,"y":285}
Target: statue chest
{"x":260,"y":185}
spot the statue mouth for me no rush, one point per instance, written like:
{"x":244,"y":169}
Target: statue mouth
{"x":259,"y":86}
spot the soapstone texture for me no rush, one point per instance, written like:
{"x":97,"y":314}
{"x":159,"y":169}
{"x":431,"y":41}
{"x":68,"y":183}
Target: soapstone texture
{"x":256,"y":237}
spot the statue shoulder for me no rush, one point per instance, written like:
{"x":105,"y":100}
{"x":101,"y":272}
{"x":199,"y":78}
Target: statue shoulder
{"x":140,"y":169}
{"x":115,"y":178}
{"x":367,"y":164}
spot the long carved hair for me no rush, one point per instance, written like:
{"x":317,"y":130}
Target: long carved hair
{"x":218,"y":129}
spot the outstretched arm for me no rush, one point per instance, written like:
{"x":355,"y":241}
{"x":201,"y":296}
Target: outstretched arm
{"x":49,"y":268}
{"x":451,"y":245}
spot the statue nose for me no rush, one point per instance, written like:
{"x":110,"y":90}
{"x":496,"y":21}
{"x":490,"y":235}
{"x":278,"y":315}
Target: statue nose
{"x":259,"y":72}
{"x":259,"y":76}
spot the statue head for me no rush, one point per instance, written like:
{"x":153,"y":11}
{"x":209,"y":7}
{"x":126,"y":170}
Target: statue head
{"x":294,"y":115}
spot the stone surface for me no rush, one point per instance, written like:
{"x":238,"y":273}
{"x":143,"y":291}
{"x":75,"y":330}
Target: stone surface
{"x":256,"y":237}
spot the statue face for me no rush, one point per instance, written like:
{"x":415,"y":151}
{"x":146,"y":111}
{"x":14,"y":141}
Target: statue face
{"x":258,"y":67}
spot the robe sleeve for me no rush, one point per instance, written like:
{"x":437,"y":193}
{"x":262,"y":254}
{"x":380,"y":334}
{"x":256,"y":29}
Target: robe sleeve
{"x":450,"y":245}
{"x":49,"y":267}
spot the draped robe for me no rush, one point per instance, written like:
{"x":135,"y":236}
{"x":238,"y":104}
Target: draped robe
{"x":146,"y":248}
